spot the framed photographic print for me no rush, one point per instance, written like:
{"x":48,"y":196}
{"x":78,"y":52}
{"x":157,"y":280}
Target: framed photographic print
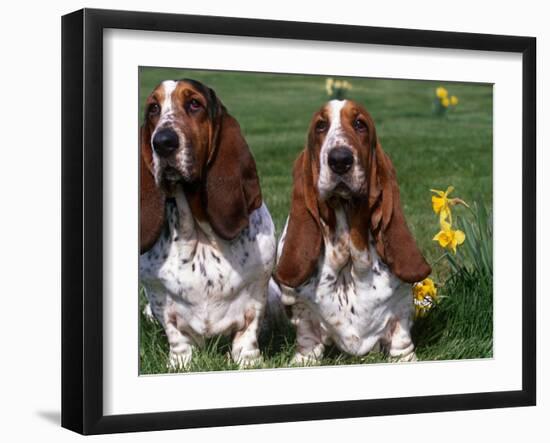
{"x":270,"y":221}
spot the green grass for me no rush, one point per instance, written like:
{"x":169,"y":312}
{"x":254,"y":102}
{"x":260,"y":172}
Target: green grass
{"x":428,"y":152}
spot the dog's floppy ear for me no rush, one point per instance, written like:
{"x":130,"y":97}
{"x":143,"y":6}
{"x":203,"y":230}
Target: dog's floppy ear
{"x":231,"y":186}
{"x":151,"y":198}
{"x":302,"y":244}
{"x":393,"y":239}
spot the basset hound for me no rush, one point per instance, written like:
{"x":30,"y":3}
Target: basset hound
{"x":207,"y":241}
{"x":346,"y":258}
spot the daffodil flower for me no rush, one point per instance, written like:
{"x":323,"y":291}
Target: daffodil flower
{"x":424,"y":296}
{"x":449,"y":238}
{"x":441,"y":203}
{"x":328,"y":85}
{"x":441,"y":92}
{"x":445,"y":102}
{"x":454,"y":100}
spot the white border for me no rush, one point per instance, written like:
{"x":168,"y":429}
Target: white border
{"x":125,"y":392}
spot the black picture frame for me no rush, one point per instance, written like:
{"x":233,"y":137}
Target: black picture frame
{"x":82,"y":219}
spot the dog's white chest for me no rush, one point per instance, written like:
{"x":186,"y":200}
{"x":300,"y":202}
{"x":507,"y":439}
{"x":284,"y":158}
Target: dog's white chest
{"x":358,"y":310}
{"x":207,"y":284}
{"x":354,"y":294}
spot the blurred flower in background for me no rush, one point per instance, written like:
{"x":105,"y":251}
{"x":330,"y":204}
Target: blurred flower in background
{"x":337,"y":89}
{"x":441,"y":92}
{"x":443,"y":102}
{"x":329,"y":83}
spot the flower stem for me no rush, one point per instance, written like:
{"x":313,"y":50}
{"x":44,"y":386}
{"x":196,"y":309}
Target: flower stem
{"x":439,"y":259}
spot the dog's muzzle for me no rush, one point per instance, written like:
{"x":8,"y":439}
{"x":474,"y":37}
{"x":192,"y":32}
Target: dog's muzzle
{"x":165,"y":142}
{"x":340,"y":160}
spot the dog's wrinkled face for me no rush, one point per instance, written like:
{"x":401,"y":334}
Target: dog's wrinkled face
{"x":341,"y":136}
{"x":179,"y":116}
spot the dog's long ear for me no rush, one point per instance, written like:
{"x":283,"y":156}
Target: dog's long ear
{"x":151,"y":198}
{"x":393,"y":239}
{"x":302,"y":244}
{"x":231,"y":186}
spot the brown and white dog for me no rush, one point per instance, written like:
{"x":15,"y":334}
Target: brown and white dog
{"x":207,"y":241}
{"x":346,"y":257}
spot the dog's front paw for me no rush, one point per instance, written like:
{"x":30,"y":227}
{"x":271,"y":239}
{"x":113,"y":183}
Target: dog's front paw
{"x":304,"y":360}
{"x":179,"y":361}
{"x":310,"y":357}
{"x":404,"y":358}
{"x":249,"y":359}
{"x":408,"y":358}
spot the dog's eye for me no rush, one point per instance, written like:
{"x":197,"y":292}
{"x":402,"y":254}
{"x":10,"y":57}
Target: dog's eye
{"x":359,"y":125}
{"x":321,"y":126}
{"x":154,"y":109}
{"x":194,"y":105}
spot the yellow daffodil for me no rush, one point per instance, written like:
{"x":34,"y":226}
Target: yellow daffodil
{"x":346,"y":85}
{"x":441,"y":92}
{"x":424,"y":296}
{"x":445,"y":102}
{"x":454,"y":100}
{"x":328,"y":85}
{"x":449,"y":238}
{"x":441,"y":204}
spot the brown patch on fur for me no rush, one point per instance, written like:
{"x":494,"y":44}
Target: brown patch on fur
{"x":249,"y":317}
{"x":394,"y":325}
{"x":172,"y":318}
{"x":195,"y":201}
{"x":391,"y":328}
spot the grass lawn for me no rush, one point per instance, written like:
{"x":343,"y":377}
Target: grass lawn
{"x":428,"y":151}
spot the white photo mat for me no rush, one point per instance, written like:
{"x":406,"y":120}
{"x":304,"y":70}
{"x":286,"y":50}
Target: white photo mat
{"x":125,"y":392}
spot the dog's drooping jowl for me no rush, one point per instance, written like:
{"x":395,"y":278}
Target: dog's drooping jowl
{"x":346,"y":258}
{"x":207,"y":240}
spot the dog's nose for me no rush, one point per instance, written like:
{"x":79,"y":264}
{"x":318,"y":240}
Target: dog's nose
{"x":165,"y":142}
{"x":340,"y":160}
